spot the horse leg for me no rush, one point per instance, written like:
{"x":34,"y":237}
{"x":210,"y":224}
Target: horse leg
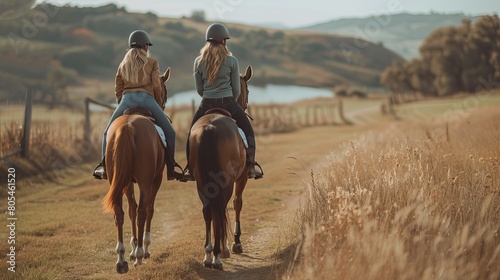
{"x":225,"y":253}
{"x":217,"y":262}
{"x":141,"y":221}
{"x":237,"y":248}
{"x":149,"y":217}
{"x":132,"y":212}
{"x":121,"y":264}
{"x":207,"y":215}
{"x":238,"y":204}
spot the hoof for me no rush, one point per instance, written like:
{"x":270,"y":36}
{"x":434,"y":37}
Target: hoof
{"x":132,"y":257}
{"x":138,"y":262}
{"x":225,"y":254}
{"x":207,"y":265}
{"x":217,"y":266}
{"x":237,"y":248}
{"x":122,"y":268}
{"x":147,"y":255}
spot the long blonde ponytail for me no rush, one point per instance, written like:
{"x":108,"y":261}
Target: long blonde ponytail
{"x":134,"y":61}
{"x":214,"y":55}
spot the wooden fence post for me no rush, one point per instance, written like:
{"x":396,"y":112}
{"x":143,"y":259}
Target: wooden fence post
{"x":25,"y":146}
{"x":86,"y":128}
{"x":341,"y":112}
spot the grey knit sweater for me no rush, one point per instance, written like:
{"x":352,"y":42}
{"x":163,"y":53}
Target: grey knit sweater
{"x":226,"y":84}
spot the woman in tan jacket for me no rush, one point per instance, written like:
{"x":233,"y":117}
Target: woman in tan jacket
{"x":138,"y":84}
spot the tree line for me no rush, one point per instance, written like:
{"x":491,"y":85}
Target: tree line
{"x":452,"y":59}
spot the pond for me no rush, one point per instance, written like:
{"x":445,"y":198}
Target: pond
{"x":261,"y":95}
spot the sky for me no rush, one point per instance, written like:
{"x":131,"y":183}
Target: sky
{"x":292,"y":13}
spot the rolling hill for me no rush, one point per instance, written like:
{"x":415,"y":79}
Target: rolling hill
{"x":52,"y":47}
{"x":402,"y":33}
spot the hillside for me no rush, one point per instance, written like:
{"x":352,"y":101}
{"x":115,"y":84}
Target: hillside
{"x":75,"y":44}
{"x":402,"y":33}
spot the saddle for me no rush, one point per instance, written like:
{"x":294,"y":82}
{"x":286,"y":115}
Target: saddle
{"x":140,"y":111}
{"x":226,"y":113}
{"x":219,"y":111}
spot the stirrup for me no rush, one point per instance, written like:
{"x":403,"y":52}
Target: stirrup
{"x":186,"y":175}
{"x":252,"y":173}
{"x":174,"y":174}
{"x":100,"y":172}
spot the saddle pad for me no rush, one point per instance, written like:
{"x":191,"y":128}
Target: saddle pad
{"x":162,"y":135}
{"x":244,"y":137}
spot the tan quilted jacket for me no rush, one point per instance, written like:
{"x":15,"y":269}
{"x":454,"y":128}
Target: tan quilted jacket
{"x":152,"y":84}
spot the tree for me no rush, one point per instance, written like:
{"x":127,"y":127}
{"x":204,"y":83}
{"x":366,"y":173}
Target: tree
{"x":453,"y":59}
{"x":198,"y":15}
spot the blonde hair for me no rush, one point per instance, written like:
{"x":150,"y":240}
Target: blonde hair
{"x":134,"y":61}
{"x":214,"y":55}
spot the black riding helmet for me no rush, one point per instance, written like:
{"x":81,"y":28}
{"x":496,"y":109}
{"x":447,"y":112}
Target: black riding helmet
{"x":139,"y":39}
{"x":217,"y":33}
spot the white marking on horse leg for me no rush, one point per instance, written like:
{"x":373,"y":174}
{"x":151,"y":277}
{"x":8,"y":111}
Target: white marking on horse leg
{"x":133,"y":244}
{"x":147,"y":242}
{"x":139,"y":254}
{"x":120,"y":250}
{"x":217,"y":262}
{"x":209,"y":248}
{"x":225,"y":251}
{"x":207,"y":260}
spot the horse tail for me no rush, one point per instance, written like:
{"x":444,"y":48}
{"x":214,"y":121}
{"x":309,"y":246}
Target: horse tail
{"x":210,"y":172}
{"x":123,"y":151}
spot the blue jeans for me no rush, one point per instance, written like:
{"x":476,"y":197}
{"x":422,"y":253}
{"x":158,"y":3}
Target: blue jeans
{"x":144,"y":100}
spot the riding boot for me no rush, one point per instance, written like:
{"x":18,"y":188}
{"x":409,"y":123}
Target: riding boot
{"x":253,"y":171}
{"x":100,"y":171}
{"x":171,"y":165}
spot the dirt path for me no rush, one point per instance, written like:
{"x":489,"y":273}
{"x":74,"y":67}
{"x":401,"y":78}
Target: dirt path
{"x":269,"y":204}
{"x":84,"y":237}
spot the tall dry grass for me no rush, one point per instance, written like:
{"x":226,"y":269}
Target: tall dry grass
{"x":56,"y":140}
{"x":417,"y":201}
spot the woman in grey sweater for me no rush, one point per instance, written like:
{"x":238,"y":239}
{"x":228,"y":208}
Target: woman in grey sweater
{"x":217,"y":81}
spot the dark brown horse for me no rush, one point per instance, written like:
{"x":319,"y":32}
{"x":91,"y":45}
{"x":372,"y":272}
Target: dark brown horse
{"x":134,"y":152}
{"x":218,"y":163}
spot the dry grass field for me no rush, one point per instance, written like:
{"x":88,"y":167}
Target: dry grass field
{"x":415,"y":200}
{"x":381,"y":199}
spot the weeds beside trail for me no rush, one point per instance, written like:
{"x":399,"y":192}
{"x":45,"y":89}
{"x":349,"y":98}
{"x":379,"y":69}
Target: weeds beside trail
{"x":418,"y":201}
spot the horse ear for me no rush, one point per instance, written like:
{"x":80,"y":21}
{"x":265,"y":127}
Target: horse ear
{"x":248,"y":73}
{"x":166,"y":75}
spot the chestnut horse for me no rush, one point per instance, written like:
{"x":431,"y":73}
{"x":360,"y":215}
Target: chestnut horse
{"x":218,"y":162}
{"x":135,"y":153}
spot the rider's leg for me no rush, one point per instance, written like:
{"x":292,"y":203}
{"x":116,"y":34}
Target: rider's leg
{"x":244,"y":123}
{"x":162,"y":120}
{"x":202,"y":109}
{"x":126,"y":102}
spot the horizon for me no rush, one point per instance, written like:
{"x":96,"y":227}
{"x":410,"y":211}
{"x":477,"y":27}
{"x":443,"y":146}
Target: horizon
{"x":293,"y":14}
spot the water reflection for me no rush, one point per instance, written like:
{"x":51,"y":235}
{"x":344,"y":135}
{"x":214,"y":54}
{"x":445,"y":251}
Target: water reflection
{"x":268,"y":94}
